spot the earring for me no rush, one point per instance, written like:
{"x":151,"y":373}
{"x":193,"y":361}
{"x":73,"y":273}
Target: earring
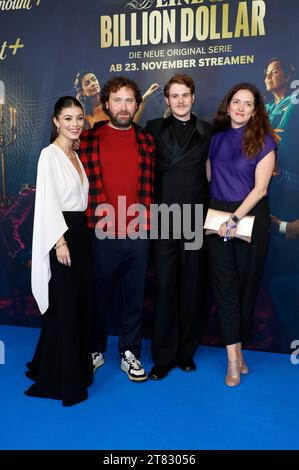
{"x":57,"y":129}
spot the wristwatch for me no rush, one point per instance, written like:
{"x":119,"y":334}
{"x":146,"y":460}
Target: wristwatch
{"x":235,"y":218}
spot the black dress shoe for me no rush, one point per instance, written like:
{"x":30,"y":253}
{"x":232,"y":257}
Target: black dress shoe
{"x":158,"y":372}
{"x":187,"y":365}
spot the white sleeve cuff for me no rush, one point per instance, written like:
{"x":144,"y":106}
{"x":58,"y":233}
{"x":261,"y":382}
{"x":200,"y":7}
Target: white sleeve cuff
{"x":283,"y":227}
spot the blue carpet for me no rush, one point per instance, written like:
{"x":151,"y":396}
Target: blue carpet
{"x":184,"y":411}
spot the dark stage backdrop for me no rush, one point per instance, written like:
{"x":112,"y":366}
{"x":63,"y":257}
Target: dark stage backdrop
{"x":44,"y":43}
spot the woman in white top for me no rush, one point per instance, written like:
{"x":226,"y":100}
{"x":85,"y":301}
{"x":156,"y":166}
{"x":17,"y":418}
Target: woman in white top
{"x":61,"y":366}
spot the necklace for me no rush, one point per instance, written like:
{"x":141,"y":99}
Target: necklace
{"x":71,"y":156}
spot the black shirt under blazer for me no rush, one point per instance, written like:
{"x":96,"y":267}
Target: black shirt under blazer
{"x":180,"y":172}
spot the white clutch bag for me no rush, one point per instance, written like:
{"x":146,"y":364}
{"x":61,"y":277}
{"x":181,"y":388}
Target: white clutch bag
{"x":215,"y":218}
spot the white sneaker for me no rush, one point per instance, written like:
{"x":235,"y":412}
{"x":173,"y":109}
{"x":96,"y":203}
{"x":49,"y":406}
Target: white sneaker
{"x":97,"y":360}
{"x":132,"y":367}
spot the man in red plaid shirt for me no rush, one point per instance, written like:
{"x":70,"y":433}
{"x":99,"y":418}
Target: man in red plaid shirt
{"x":118,"y":157}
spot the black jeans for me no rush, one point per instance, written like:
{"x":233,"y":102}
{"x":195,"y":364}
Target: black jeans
{"x":123,"y":263}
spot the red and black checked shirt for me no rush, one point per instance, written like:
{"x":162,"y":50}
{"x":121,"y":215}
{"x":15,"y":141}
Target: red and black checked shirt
{"x":90,"y":157}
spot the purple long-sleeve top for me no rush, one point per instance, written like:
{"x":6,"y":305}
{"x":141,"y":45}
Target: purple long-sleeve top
{"x":232,"y":173}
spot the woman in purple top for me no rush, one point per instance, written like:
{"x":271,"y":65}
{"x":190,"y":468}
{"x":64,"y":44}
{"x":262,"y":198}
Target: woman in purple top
{"x":240,"y":164}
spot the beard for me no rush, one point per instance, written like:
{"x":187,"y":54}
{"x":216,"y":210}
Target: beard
{"x":120,"y":120}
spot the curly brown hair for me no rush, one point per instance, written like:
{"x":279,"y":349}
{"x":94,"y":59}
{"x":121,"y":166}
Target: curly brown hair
{"x":181,"y":79}
{"x":258,"y":126}
{"x":114,"y":84}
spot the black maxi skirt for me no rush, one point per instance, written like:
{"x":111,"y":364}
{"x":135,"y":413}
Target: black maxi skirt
{"x":62,"y":365}
{"x":236,"y":269}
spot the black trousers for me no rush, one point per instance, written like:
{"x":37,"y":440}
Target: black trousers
{"x":236,"y":269}
{"x":122,"y":263}
{"x":61,"y":366}
{"x":180,"y":276}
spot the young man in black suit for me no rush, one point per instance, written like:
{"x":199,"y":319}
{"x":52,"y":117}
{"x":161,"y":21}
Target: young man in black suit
{"x":182,"y":142}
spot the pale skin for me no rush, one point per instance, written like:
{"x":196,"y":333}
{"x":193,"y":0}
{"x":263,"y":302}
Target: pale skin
{"x":70,"y":123}
{"x":241,"y":109}
{"x":122,"y":107}
{"x":180,"y":101}
{"x":99,"y":113}
{"x":91,"y":88}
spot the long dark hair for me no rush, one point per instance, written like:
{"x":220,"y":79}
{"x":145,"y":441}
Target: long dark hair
{"x":62,"y":103}
{"x":86,"y":101}
{"x":258,"y":126}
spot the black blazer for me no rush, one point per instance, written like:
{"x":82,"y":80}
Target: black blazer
{"x":180,"y":174}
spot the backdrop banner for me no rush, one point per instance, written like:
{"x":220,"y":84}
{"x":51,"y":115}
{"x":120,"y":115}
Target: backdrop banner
{"x":44,"y":47}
